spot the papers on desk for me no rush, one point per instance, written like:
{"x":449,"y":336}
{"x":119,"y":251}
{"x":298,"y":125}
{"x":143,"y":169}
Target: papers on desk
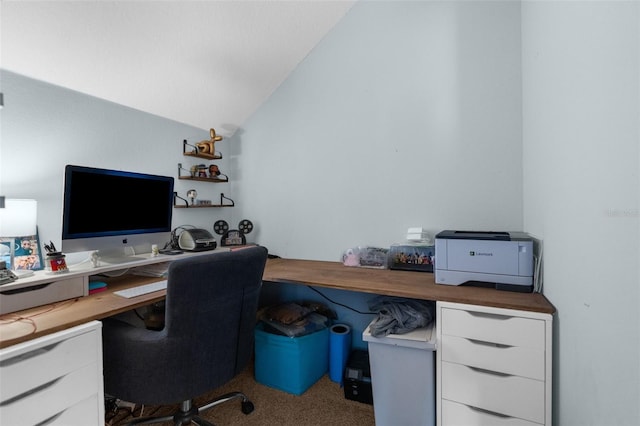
{"x":153,"y":270}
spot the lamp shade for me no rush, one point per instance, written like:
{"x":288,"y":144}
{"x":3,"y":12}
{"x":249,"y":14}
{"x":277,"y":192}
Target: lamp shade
{"x":18,"y":218}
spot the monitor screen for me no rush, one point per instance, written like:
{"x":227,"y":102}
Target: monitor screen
{"x":112,"y":209}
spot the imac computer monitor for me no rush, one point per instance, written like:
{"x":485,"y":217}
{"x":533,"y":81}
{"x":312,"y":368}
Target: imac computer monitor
{"x":111,"y":211}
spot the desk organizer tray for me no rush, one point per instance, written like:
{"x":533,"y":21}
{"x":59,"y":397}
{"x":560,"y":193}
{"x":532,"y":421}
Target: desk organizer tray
{"x":290,"y":364}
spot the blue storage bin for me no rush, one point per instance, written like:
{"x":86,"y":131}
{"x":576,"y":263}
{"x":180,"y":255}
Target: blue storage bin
{"x":290,"y":364}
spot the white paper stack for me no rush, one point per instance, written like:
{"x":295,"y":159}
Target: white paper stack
{"x":418,"y":235}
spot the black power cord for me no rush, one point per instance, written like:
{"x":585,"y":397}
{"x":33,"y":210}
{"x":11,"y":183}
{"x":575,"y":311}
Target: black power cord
{"x":340,"y":304}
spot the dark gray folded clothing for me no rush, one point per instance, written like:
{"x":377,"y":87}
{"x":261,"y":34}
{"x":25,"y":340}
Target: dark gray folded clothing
{"x":397,"y":315}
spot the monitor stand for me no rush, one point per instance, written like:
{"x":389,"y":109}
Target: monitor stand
{"x":113,"y":257}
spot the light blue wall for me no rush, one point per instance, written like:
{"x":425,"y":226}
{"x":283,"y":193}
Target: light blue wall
{"x":581,"y":139}
{"x":406,"y":114}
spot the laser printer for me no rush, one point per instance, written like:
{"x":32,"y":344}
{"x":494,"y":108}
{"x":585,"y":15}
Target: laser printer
{"x":503,"y":260}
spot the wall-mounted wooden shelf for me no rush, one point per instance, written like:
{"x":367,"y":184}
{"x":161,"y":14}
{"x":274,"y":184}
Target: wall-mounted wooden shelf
{"x":177,"y":206}
{"x":192,"y":151}
{"x":206,"y":156}
{"x":205,"y":179}
{"x":204,"y":176}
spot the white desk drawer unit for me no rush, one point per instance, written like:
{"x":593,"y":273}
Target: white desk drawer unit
{"x":493,"y":366}
{"x":54,"y":380}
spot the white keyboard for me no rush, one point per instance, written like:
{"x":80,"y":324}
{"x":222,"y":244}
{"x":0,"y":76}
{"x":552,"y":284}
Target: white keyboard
{"x":142,"y":289}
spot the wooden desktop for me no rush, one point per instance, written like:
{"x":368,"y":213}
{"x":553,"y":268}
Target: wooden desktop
{"x":30,"y":323}
{"x":416,"y":285}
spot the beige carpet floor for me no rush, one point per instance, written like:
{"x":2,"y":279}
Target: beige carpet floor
{"x":323,"y":404}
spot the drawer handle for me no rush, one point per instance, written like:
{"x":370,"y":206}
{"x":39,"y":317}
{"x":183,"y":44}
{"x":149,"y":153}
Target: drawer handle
{"x":494,"y":373}
{"x":28,"y":355}
{"x":29,"y":392}
{"x":492,"y":344}
{"x":51,"y":419}
{"x":25,"y":289}
{"x":491,"y":413}
{"x":488,"y":315}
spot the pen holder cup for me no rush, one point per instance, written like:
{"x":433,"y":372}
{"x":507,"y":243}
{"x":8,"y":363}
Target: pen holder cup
{"x":55,"y":263}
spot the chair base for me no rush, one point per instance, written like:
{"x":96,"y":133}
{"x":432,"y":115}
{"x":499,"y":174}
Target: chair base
{"x":189,"y":413}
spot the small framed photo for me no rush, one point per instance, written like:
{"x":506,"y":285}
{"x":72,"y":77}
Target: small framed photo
{"x":5,"y":251}
{"x":27,"y":254}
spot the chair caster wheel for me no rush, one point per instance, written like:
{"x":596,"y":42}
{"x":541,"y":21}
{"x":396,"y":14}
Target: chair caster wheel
{"x":247,"y":407}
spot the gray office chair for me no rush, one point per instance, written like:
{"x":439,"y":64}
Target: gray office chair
{"x":207,"y":340}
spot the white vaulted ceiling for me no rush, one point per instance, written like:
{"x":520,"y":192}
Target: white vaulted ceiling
{"x":203,"y":63}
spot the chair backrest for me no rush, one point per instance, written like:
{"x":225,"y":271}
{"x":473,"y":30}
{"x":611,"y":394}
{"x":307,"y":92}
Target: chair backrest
{"x":210,"y":311}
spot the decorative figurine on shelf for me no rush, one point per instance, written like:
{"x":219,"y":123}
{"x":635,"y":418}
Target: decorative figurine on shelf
{"x":214,"y":171}
{"x":233,"y":237}
{"x":192,"y":194}
{"x":208,"y":147}
{"x":202,"y":170}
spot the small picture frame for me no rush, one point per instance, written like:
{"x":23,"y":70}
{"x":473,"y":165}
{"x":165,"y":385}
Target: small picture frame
{"x":27,"y":254}
{"x":5,"y":251}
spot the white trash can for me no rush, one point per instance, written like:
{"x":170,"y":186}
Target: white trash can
{"x":403,"y":377}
